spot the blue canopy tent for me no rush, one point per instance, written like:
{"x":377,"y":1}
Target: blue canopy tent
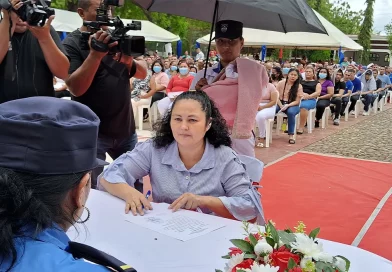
{"x":179,"y":48}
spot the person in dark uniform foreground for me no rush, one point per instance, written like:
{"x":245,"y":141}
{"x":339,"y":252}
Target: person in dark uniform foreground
{"x":48,"y":148}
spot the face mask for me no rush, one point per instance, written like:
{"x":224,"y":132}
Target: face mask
{"x":286,"y":70}
{"x":183,"y":71}
{"x":157,"y":69}
{"x":192,"y":73}
{"x":322,"y":75}
{"x":273,"y":77}
{"x":173,"y":68}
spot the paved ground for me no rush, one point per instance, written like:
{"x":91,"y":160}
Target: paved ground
{"x":370,"y":139}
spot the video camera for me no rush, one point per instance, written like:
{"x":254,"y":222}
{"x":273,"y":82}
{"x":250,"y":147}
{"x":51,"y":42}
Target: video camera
{"x":129,"y":45}
{"x":34,"y":12}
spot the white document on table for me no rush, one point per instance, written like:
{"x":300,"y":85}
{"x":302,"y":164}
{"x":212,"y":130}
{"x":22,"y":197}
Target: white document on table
{"x":173,"y":94}
{"x":182,"y":225}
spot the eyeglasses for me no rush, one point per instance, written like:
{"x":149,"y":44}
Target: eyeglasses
{"x":229,"y":42}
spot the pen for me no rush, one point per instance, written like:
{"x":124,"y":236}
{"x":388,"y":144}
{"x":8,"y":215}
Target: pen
{"x":147,"y":196}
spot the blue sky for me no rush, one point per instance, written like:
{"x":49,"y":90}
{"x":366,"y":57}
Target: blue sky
{"x":382,"y":11}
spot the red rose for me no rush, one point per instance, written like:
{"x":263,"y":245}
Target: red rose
{"x":282,"y":258}
{"x":244,"y":265}
{"x":295,"y":269}
{"x":234,"y":251}
{"x":283,"y":249}
{"x":256,"y":235}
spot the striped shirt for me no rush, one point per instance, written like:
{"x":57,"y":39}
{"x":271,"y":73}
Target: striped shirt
{"x":219,"y":173}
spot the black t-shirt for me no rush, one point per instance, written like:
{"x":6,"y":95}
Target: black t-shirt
{"x":309,"y":87}
{"x":378,"y":83}
{"x":23,"y":71}
{"x":109,"y":93}
{"x":339,"y":86}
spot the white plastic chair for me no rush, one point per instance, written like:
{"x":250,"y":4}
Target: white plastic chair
{"x":347,"y":107}
{"x":152,"y":114}
{"x":310,"y":119}
{"x":269,"y":123}
{"x":279,"y":121}
{"x":382,"y":102}
{"x":375,"y":105}
{"x":254,"y":167}
{"x":324,"y":119}
{"x":140,"y":115}
{"x":389,"y":94}
{"x":359,"y":105}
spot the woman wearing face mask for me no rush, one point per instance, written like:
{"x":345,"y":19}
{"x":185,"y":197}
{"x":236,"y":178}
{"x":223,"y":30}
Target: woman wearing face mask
{"x":276,"y":76}
{"x":285,"y":70}
{"x":173,"y":69}
{"x":290,"y":93}
{"x":193,"y":71}
{"x":158,"y":82}
{"x":151,"y":89}
{"x":327,"y":89}
{"x":178,"y":84}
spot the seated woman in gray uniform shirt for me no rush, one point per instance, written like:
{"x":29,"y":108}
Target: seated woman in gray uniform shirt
{"x":190,"y":164}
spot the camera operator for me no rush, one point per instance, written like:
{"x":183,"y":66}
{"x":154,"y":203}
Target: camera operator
{"x":36,"y":55}
{"x":102,"y":83}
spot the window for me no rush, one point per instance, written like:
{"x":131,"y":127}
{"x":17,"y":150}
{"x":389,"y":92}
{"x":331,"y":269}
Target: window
{"x":386,"y":58}
{"x":374,"y":57}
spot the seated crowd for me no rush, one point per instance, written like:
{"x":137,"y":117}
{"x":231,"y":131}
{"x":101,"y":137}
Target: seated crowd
{"x":295,"y":88}
{"x":318,"y":86}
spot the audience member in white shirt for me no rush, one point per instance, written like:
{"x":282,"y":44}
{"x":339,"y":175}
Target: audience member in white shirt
{"x":200,"y":54}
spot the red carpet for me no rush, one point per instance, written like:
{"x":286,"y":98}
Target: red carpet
{"x":335,"y":194}
{"x":378,"y":238}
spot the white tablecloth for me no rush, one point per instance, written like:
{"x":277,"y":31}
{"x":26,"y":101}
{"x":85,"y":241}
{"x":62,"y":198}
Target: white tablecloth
{"x":149,"y":251}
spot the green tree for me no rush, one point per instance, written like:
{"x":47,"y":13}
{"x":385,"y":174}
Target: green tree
{"x":339,"y":13}
{"x":275,"y":54}
{"x":316,"y":55}
{"x":388,"y":31}
{"x":366,"y":32}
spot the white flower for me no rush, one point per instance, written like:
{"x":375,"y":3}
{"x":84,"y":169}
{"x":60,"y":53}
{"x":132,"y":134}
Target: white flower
{"x":323,"y":257}
{"x":234,"y":260}
{"x":340,"y":263}
{"x":263,"y":268}
{"x":307,"y":246}
{"x":263,"y":247}
{"x":305,"y":260}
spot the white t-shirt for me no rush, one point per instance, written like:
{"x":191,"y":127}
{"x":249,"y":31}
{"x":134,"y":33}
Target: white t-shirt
{"x":200,"y":55}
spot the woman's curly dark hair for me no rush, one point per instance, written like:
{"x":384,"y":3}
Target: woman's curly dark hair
{"x":217,"y":135}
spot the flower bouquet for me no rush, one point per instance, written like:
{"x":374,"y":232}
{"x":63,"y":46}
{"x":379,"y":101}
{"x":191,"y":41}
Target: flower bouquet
{"x":282,"y":251}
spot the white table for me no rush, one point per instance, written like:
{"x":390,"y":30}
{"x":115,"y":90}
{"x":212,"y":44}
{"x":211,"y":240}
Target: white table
{"x":149,"y":251}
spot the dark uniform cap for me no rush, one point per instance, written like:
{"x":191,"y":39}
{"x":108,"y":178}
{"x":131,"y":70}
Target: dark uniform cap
{"x":47,"y":135}
{"x":228,"y":29}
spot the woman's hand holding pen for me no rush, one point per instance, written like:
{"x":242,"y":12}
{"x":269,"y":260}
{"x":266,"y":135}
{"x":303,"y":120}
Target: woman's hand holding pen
{"x":136,"y":202}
